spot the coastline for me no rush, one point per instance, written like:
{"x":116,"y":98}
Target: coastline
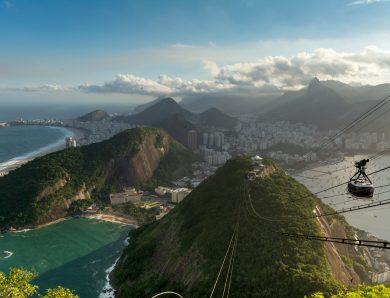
{"x":52,"y":222}
{"x":16,"y":162}
{"x":112,"y":218}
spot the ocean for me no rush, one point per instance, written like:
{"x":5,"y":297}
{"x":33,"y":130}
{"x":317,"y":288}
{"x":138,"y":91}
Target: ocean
{"x":23,"y":142}
{"x":74,"y":253}
{"x":374,"y":220}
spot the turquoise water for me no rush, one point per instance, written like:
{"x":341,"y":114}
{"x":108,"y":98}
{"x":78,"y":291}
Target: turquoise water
{"x":74,"y":253}
{"x":19,"y":142}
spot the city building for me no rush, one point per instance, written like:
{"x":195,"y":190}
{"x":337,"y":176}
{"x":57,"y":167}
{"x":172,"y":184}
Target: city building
{"x":192,"y":139}
{"x":205,"y":138}
{"x":70,"y":142}
{"x":128,"y":195}
{"x":179,"y":194}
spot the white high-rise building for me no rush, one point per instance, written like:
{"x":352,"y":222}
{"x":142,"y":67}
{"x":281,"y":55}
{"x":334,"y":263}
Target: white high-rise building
{"x":205,"y":138}
{"x":70,"y":142}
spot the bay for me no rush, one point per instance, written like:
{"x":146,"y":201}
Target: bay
{"x":375,"y":220}
{"x":22,"y":142}
{"x":74,"y":253}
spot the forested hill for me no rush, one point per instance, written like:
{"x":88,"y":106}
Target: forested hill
{"x":183,"y":252}
{"x":42,"y":190}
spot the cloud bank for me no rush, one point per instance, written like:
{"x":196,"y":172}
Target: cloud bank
{"x":366,"y":2}
{"x":47,"y":88}
{"x":267,"y":75}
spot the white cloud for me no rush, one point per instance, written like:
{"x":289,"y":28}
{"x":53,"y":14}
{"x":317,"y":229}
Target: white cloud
{"x":268,"y":74}
{"x":181,"y":46}
{"x":128,"y":83}
{"x":370,"y":66}
{"x":46,"y":88}
{"x":8,"y":4}
{"x":366,"y":2}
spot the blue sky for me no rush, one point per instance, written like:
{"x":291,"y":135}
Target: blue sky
{"x":116,"y":50}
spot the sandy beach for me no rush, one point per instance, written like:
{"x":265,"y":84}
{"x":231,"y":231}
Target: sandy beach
{"x":52,"y":222}
{"x":112,"y":218}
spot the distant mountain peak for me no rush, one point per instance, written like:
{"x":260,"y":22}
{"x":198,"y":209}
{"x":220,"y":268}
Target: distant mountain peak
{"x":315,"y":82}
{"x":316,"y":86}
{"x":96,"y":115}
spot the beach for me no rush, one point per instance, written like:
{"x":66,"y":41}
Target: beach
{"x":114,"y":218}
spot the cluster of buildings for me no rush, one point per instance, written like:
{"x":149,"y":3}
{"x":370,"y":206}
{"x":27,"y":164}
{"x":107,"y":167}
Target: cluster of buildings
{"x":45,"y":122}
{"x":129,"y":194}
{"x":260,"y":136}
{"x":97,"y":131}
{"x":212,"y":149}
{"x":160,"y":204}
{"x":288,"y":158}
{"x":177,"y":195}
{"x":213,"y":139}
{"x":364,"y":141}
{"x":213,"y":157}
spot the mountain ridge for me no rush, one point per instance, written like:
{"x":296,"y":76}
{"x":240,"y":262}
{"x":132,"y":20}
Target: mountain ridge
{"x":43,"y":189}
{"x":97,"y":115}
{"x":162,"y":109}
{"x":183,"y":252}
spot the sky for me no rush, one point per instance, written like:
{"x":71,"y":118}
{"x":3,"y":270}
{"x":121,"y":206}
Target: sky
{"x":132,"y":51}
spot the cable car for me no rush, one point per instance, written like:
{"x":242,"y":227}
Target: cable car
{"x":360,"y":185}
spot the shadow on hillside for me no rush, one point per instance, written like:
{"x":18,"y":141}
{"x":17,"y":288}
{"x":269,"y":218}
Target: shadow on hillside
{"x":85,"y":275}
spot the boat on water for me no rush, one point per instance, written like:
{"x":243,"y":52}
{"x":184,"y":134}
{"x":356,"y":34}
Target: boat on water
{"x":7,"y":254}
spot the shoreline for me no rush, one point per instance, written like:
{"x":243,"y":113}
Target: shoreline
{"x":16,"y":162}
{"x":114,"y":218}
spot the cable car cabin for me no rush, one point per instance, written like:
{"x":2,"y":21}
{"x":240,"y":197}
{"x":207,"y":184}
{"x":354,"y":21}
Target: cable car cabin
{"x":360,"y":185}
{"x":361,"y":189}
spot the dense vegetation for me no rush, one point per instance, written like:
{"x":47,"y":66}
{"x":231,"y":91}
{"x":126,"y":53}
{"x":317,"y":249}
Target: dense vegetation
{"x":141,"y":215}
{"x":31,"y":194}
{"x":17,"y":284}
{"x":183,"y":251}
{"x":379,"y":291}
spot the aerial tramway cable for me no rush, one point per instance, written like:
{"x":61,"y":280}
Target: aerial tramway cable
{"x":354,"y":208}
{"x":353,"y":123}
{"x":327,"y":141}
{"x":348,"y":241}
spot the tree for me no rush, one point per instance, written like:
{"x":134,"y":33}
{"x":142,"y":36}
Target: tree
{"x":379,"y":291}
{"x":17,"y":284}
{"x":59,"y":292}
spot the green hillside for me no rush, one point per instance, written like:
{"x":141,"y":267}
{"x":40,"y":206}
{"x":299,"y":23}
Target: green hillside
{"x":41,"y":190}
{"x":184,"y":251}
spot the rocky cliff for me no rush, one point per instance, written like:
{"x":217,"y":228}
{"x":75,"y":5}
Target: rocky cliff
{"x":43,"y":189}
